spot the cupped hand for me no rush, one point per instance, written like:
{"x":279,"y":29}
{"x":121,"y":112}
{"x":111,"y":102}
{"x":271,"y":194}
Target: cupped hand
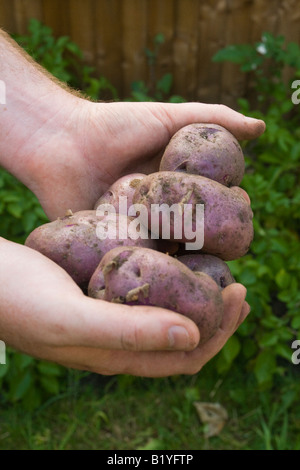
{"x":99,"y":142}
{"x":46,"y":315}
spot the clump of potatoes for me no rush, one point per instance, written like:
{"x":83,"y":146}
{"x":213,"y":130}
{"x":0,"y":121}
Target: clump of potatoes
{"x":202,"y":164}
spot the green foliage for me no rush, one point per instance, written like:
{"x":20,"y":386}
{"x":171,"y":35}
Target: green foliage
{"x":110,"y":413}
{"x":20,"y":210}
{"x":157,"y":89}
{"x":162,"y":91}
{"x":271,"y":269}
{"x":64,"y":60}
{"x":265,"y":61}
{"x":25,"y":379}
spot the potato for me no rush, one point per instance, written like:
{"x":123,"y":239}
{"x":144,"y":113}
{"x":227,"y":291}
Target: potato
{"x":228,"y":228}
{"x":211,"y":265}
{"x":73,"y":243}
{"x":207,"y":150}
{"x":142,"y":276}
{"x":124,"y":186}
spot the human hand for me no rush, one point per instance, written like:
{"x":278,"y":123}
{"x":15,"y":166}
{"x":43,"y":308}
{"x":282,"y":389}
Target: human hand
{"x":97,"y":143}
{"x":43,"y":313}
{"x":68,"y":150}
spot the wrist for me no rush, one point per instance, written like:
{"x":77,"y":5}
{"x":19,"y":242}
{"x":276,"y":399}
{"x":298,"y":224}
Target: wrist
{"x":36,"y":110}
{"x":29,"y":119}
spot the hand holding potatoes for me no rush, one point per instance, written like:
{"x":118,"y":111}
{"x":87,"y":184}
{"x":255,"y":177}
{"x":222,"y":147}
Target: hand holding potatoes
{"x":43,"y":313}
{"x":49,"y":316}
{"x":134,"y":271}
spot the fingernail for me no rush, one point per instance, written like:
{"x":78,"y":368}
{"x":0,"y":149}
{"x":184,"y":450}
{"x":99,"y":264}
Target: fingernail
{"x":178,"y":337}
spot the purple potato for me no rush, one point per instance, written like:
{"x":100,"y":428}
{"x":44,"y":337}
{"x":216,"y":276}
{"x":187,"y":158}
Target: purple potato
{"x":228,"y":227}
{"x":207,"y":150}
{"x":73,"y":242}
{"x":211,"y":265}
{"x":142,"y":276}
{"x":124,"y":186}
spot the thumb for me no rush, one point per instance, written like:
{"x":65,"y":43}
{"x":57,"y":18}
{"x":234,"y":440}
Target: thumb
{"x":101,"y":324}
{"x":242,"y":127}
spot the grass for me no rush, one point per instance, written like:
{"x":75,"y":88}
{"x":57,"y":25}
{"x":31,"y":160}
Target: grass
{"x":127,"y":413}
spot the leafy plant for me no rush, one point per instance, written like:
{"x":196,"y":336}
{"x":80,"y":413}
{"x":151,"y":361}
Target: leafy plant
{"x":64,"y":60}
{"x":157,"y":89}
{"x":20,"y":210}
{"x":271,"y":270}
{"x":25,"y":379}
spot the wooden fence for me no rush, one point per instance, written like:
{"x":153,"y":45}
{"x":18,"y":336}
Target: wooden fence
{"x":113,"y":34}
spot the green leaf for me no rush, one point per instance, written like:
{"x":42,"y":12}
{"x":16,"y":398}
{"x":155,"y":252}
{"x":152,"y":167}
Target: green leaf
{"x":296,"y":322}
{"x":284,"y":351}
{"x":159,"y":38}
{"x":49,"y":368}
{"x":4,"y":368}
{"x":268,"y":339}
{"x":283,"y":279}
{"x":248,"y":278}
{"x":29,"y":219}
{"x":50,"y":384}
{"x":228,"y":354}
{"x":231,"y":349}
{"x":20,"y":385}
{"x":265,"y":366}
{"x":139,"y":96}
{"x":72,"y":47}
{"x":22,"y":361}
{"x":263,"y":271}
{"x":177,"y":99}
{"x":165,"y":83}
{"x":249,"y":347}
{"x":153,"y":444}
{"x":32,"y":399}
{"x":192,"y":394}
{"x":244,"y":54}
{"x":9,"y":196}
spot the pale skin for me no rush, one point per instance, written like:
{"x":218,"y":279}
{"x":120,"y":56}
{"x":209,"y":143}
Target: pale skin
{"x":68,"y":150}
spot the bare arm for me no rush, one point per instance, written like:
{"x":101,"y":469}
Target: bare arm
{"x":35,"y":110}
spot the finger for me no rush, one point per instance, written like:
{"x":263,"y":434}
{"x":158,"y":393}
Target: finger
{"x":162,"y":364}
{"x":158,"y":363}
{"x":243,"y":315}
{"x":233,"y":298}
{"x":242,"y":127}
{"x":112,"y":362}
{"x":96,"y":323}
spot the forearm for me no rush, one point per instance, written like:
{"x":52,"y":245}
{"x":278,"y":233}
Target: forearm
{"x":35,"y":105}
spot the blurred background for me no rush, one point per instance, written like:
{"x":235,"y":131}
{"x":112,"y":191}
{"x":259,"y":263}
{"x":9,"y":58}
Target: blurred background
{"x":245,"y":54}
{"x":117,"y":38}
